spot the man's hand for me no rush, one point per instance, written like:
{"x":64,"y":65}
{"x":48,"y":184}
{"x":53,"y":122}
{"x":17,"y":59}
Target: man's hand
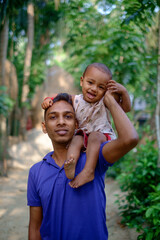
{"x":47,"y":103}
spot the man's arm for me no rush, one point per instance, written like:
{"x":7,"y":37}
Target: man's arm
{"x":127,"y":135}
{"x":118,"y":89}
{"x":35,"y":223}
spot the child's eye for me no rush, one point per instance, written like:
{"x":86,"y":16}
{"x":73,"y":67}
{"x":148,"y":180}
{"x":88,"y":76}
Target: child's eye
{"x":90,"y":82}
{"x":101,"y":87}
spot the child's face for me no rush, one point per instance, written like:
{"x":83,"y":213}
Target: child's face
{"x":94,"y":84}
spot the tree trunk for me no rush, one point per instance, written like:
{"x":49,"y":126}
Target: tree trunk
{"x":158,"y":96}
{"x":27,"y":65}
{"x":3,"y":50}
{"x":3,"y":127}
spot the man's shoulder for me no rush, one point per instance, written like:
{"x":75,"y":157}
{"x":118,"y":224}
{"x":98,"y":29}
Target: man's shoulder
{"x":36,"y":165}
{"x":40,"y":163}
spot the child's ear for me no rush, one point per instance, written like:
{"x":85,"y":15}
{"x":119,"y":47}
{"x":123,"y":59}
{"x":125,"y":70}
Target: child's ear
{"x":81,"y":81}
{"x":44,"y":127}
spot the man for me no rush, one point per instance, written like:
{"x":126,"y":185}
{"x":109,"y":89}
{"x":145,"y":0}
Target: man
{"x":57,"y":211}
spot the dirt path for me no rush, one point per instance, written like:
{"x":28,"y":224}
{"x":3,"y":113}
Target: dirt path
{"x":13,"y":205}
{"x":13,"y":209}
{"x":116,"y":230}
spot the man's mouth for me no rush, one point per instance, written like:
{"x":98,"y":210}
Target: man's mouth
{"x":61,"y":132}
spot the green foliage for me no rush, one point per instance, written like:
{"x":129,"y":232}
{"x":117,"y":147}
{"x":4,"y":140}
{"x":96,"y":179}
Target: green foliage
{"x":74,"y":27}
{"x":10,"y":8}
{"x":140,"y":11}
{"x":121,"y":47}
{"x":152,"y":213}
{"x":44,"y":22}
{"x":140,"y":176}
{"x":6,"y":104}
{"x":38,"y":70}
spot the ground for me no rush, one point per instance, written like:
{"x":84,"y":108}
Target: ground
{"x":14,"y":213}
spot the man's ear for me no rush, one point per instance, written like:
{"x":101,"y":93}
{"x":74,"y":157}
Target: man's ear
{"x":44,"y":127}
{"x":81,"y":81}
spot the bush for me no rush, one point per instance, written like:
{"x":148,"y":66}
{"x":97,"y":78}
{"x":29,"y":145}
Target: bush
{"x":139,"y":178}
{"x":152,"y":213}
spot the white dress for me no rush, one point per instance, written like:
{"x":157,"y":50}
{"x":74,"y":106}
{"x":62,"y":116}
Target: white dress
{"x":93,"y":116}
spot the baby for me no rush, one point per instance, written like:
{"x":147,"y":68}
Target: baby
{"x":93,"y":119}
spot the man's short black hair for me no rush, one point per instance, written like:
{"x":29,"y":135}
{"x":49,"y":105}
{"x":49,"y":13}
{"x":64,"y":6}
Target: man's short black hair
{"x":62,"y":97}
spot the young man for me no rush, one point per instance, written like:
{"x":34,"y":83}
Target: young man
{"x":57,"y":211}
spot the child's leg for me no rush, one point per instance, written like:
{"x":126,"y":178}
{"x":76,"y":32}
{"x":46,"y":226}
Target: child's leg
{"x":73,"y":155}
{"x":94,"y":141}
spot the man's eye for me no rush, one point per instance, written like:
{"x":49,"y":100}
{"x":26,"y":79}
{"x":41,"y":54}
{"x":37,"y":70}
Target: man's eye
{"x":68,"y":116}
{"x":52,"y":117}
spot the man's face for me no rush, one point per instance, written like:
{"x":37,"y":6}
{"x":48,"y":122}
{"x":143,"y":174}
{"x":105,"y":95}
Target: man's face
{"x":60,"y":122}
{"x":94,"y":84}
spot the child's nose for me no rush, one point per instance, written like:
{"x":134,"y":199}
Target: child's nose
{"x":94,"y":88}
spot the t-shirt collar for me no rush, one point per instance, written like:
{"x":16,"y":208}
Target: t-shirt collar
{"x":48,"y":158}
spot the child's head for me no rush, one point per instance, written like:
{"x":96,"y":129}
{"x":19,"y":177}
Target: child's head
{"x":94,"y":82}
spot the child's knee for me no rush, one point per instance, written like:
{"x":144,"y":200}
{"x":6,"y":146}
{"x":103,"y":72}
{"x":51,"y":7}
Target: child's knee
{"x":96,"y":137}
{"x":77,"y":140}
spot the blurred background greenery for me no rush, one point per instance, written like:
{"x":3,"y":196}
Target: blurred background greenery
{"x":124,"y":35}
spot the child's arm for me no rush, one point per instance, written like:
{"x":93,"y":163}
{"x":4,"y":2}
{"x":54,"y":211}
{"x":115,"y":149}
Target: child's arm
{"x":48,"y":101}
{"x":119,"y":89}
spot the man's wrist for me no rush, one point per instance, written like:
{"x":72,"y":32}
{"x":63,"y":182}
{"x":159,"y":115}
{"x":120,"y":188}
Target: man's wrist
{"x":110,"y":101}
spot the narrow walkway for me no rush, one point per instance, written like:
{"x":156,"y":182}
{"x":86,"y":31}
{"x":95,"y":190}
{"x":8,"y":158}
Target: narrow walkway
{"x":116,"y":230}
{"x":13,"y":206}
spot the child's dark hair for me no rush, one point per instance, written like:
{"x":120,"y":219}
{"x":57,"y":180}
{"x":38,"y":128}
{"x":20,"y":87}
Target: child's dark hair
{"x":62,"y":97}
{"x":100,"y":66}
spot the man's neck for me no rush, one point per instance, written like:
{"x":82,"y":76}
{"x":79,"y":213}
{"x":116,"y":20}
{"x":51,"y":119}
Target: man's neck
{"x":60,"y":154}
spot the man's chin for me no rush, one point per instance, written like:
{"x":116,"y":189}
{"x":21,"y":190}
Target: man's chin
{"x":63,"y":141}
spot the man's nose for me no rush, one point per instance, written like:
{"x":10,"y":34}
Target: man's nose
{"x":61,"y":120}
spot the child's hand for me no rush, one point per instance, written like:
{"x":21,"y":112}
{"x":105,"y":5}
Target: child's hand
{"x":120,"y":94}
{"x":47,"y":103}
{"x":115,"y":87}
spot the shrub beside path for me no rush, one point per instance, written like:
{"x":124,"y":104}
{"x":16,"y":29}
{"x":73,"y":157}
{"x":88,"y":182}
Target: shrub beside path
{"x":14,"y":213}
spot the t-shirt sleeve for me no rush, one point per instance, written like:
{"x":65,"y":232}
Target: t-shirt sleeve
{"x":103,"y":164}
{"x":33,"y":198}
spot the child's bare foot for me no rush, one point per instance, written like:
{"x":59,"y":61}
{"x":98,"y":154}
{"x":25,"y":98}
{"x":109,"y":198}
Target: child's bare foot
{"x":82,"y":178}
{"x":69,"y":167}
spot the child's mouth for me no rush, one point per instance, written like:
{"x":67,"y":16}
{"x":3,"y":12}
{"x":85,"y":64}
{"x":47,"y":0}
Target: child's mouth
{"x":91,"y":96}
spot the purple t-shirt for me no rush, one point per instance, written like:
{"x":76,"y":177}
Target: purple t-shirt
{"x":68,"y":213}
